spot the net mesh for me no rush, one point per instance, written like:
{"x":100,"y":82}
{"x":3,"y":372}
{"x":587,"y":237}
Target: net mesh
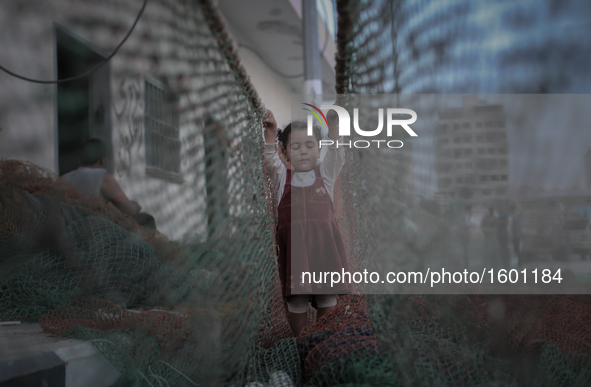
{"x":207,"y":309}
{"x":182,"y":312}
{"x":420,"y":47}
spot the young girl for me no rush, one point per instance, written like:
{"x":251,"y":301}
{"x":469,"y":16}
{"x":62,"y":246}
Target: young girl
{"x":306,"y":227}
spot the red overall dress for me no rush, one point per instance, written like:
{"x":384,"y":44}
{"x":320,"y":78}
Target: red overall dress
{"x":308,"y":231}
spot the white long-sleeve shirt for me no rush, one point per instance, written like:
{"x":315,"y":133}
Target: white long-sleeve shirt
{"x":330,"y":168}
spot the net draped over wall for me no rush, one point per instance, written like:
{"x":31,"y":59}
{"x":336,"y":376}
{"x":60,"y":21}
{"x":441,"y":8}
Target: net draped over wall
{"x":184,"y":312}
{"x":454,"y":47}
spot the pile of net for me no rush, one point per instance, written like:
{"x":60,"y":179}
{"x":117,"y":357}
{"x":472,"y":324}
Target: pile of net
{"x":440,"y":340}
{"x":85,"y":270}
{"x":58,"y":246}
{"x":335,"y":343}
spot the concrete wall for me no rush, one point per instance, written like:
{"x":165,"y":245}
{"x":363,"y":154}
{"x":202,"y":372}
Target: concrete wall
{"x":275,"y":93}
{"x":27,"y":109}
{"x":164,"y":48}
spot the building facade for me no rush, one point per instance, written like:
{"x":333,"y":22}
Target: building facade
{"x":588,"y":168}
{"x":166,"y":104}
{"x":472,"y":155}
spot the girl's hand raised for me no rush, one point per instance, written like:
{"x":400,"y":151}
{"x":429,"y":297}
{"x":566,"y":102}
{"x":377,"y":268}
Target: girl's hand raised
{"x":333,"y":118}
{"x":333,"y":125}
{"x":270,"y":126}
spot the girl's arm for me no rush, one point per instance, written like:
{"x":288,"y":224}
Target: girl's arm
{"x":273,"y":165}
{"x":270,"y":126}
{"x":332,"y":119}
{"x":335,"y":156}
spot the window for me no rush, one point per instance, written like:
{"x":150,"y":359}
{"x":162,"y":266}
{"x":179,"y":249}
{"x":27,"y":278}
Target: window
{"x":480,"y":137}
{"x":500,"y":124}
{"x":442,"y":128}
{"x":163,"y":144}
{"x":485,"y":192}
{"x":494,"y":178}
{"x":501,"y":191}
{"x":457,"y":153}
{"x":468,"y":165}
{"x":490,"y":137}
{"x":483,"y":178}
{"x":481,"y":151}
{"x":467,"y":138}
{"x":503,"y":177}
{"x":444,"y":182}
{"x":503,"y":163}
{"x":445,"y":154}
{"x":469,"y":179}
{"x":444,"y":167}
{"x":489,"y":124}
{"x":456,"y":140}
{"x":456,"y":126}
{"x":467,"y":152}
{"x":491,"y":151}
{"x":479,"y":124}
{"x":458,"y":165}
{"x":466,"y":125}
{"x":82,"y":106}
{"x":459,"y":180}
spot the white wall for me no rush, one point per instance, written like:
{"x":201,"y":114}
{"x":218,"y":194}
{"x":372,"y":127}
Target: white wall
{"x":273,"y":91}
{"x":272,"y":88}
{"x":26,"y":109}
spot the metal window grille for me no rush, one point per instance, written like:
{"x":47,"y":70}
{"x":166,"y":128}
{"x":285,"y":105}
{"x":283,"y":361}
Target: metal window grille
{"x":163,"y":144}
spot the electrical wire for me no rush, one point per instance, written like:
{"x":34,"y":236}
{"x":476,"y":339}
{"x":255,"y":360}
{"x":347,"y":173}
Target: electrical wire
{"x":92,"y":69}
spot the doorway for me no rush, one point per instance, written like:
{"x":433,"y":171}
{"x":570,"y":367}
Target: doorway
{"x":83,"y":106}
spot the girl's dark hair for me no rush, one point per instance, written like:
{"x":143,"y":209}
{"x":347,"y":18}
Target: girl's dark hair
{"x":283,"y":135}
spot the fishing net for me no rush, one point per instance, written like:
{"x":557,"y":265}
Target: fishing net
{"x":428,"y":47}
{"x":206,"y":307}
{"x":164,"y":312}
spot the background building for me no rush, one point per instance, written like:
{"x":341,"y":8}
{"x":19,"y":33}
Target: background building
{"x":472,"y":161}
{"x":588,"y":168}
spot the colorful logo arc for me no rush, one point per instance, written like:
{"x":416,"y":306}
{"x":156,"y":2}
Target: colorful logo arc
{"x":313,"y":112}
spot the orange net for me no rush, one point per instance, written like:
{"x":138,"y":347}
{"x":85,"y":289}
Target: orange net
{"x":169,"y":329}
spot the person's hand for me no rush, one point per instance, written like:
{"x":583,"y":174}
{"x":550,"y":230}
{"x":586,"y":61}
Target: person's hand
{"x":269,"y":122}
{"x":270,"y":126}
{"x":332,"y":118}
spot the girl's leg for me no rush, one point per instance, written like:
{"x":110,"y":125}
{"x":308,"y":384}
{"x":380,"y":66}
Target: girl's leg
{"x":325,"y":303}
{"x":297,"y":312}
{"x":297,"y":322}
